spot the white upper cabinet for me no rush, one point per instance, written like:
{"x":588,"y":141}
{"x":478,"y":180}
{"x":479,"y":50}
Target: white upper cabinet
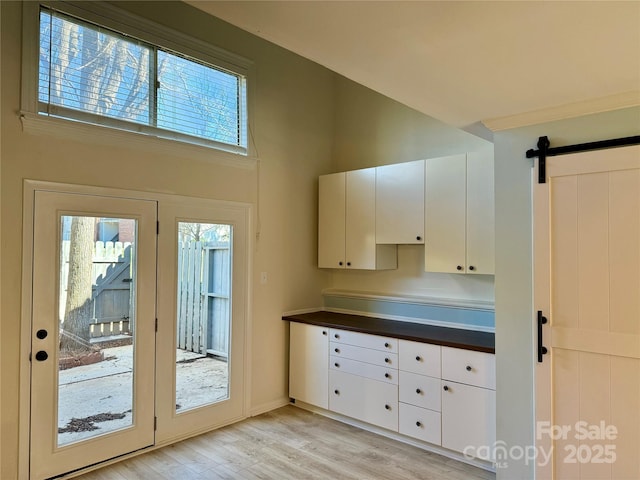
{"x":346,"y":229}
{"x":480,"y":213}
{"x":331,"y":220}
{"x":459,"y":214}
{"x":400,"y":203}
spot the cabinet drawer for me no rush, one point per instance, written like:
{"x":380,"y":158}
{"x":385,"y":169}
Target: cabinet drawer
{"x":364,"y":399}
{"x":367,"y":355}
{"x":467,"y":366}
{"x":386,"y":344}
{"x":420,"y":358}
{"x":419,"y":423}
{"x":419,"y":390}
{"x":374,"y":372}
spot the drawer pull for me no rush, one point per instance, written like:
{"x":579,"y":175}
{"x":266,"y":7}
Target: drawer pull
{"x":324,"y":332}
{"x":336,"y":335}
{"x":387,"y":360}
{"x":418,"y":358}
{"x":418,"y":424}
{"x":387,"y":344}
{"x":387,"y":406}
{"x":446,"y":389}
{"x":469,"y":368}
{"x":459,"y":267}
{"x":337,"y":365}
{"x":418,"y":391}
{"x":337,"y":350}
{"x":386,"y":375}
{"x":337,"y":392}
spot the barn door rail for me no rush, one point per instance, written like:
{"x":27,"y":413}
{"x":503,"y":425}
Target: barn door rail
{"x":545,"y":150}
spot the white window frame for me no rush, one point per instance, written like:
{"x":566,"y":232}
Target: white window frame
{"x":110,"y":131}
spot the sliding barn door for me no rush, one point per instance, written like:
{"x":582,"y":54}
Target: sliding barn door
{"x":587,"y":285}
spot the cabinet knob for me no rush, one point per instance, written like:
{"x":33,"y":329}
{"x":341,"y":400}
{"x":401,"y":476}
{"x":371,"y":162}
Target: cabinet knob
{"x":386,"y":344}
{"x":446,"y":389}
{"x":418,"y":391}
{"x":386,"y":360}
{"x":340,"y":263}
{"x":418,"y":424}
{"x":418,"y":358}
{"x":324,"y":332}
{"x":337,"y":365}
{"x":459,"y":267}
{"x":387,"y":407}
{"x":386,"y":375}
{"x":348,"y":264}
{"x":337,"y":392}
{"x":335,"y":335}
{"x":472,"y":268}
{"x":337,"y":350}
{"x":41,"y":356}
{"x":41,"y":334}
{"x":469,"y":368}
{"x":418,"y":238}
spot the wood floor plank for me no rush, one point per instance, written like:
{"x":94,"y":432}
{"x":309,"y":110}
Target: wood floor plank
{"x":289,"y":444}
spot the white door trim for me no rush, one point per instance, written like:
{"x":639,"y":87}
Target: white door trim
{"x":29,"y":188}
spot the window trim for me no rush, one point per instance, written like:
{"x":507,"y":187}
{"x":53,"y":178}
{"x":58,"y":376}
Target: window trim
{"x":125,"y":23}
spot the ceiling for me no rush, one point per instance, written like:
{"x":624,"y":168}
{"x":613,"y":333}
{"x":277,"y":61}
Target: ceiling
{"x":504,"y":63}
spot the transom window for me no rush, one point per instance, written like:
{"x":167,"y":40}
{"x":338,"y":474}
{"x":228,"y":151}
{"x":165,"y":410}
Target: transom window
{"x":97,"y":75}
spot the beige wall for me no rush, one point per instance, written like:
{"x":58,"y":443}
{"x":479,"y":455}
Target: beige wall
{"x":372,"y":130}
{"x":293,"y":120}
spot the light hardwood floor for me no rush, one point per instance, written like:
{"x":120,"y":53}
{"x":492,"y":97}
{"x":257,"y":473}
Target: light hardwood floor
{"x":289,"y":443}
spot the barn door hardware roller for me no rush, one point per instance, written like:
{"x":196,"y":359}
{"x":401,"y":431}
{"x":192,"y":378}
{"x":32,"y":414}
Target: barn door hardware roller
{"x":545,"y":150}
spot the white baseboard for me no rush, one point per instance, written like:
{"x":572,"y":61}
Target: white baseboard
{"x":267,"y":407}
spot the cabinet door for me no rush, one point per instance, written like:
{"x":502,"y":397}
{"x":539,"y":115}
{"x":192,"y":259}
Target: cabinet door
{"x":360,"y":240}
{"x":480,"y":213}
{"x":445,"y":214}
{"x":468,"y":419}
{"x":364,"y":399}
{"x":400,"y":203}
{"x":309,"y":364}
{"x":331,"y":220}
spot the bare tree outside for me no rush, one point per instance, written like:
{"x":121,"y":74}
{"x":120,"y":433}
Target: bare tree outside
{"x":77,"y":318}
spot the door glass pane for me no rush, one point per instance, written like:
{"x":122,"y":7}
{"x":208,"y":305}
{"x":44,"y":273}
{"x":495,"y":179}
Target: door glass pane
{"x":203,"y":314}
{"x":97,"y":326}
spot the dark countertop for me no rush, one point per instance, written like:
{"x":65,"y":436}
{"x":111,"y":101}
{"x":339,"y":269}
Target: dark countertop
{"x":449,"y":337}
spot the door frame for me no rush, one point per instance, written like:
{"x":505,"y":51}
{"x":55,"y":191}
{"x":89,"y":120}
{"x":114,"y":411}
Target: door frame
{"x":24,"y":365}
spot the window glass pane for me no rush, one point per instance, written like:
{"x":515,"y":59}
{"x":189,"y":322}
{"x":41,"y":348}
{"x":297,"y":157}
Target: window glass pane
{"x":197,"y":100}
{"x":97,"y":327}
{"x":90,"y":69}
{"x":203,"y":326}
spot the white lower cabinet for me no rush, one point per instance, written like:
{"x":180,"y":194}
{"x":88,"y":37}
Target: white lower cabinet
{"x":364,"y":399}
{"x":440,"y":395}
{"x":309,"y":364}
{"x":468,"y":419}
{"x":419,"y":423}
{"x":469,"y":402}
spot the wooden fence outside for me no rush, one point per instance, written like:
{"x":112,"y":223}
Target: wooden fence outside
{"x":203,"y":288}
{"x":111,"y":298}
{"x":203,"y":297}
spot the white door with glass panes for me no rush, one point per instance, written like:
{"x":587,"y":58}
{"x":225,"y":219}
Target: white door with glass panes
{"x":587,"y":287}
{"x":137,"y":326}
{"x":90,"y":403}
{"x":202,"y":292}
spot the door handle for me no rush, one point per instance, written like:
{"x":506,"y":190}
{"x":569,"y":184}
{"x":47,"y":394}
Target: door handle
{"x":542,"y":350}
